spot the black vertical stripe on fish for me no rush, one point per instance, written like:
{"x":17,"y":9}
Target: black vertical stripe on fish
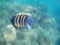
{"x":15,"y":20}
{"x":23,"y":23}
{"x":20,"y":19}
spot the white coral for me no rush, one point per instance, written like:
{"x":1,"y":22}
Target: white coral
{"x":10,"y":33}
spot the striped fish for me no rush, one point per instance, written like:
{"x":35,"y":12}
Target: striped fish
{"x":21,"y":20}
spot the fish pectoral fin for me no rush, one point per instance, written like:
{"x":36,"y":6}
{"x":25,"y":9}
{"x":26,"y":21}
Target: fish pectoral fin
{"x":29,"y":27}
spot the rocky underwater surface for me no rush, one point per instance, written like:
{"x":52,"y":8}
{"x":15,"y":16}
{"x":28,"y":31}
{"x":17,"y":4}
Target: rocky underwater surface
{"x":45,"y":30}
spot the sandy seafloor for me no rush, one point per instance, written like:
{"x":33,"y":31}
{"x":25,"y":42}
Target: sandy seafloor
{"x":46,"y":26}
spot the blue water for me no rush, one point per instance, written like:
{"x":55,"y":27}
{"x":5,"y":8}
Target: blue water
{"x":46,"y":27}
